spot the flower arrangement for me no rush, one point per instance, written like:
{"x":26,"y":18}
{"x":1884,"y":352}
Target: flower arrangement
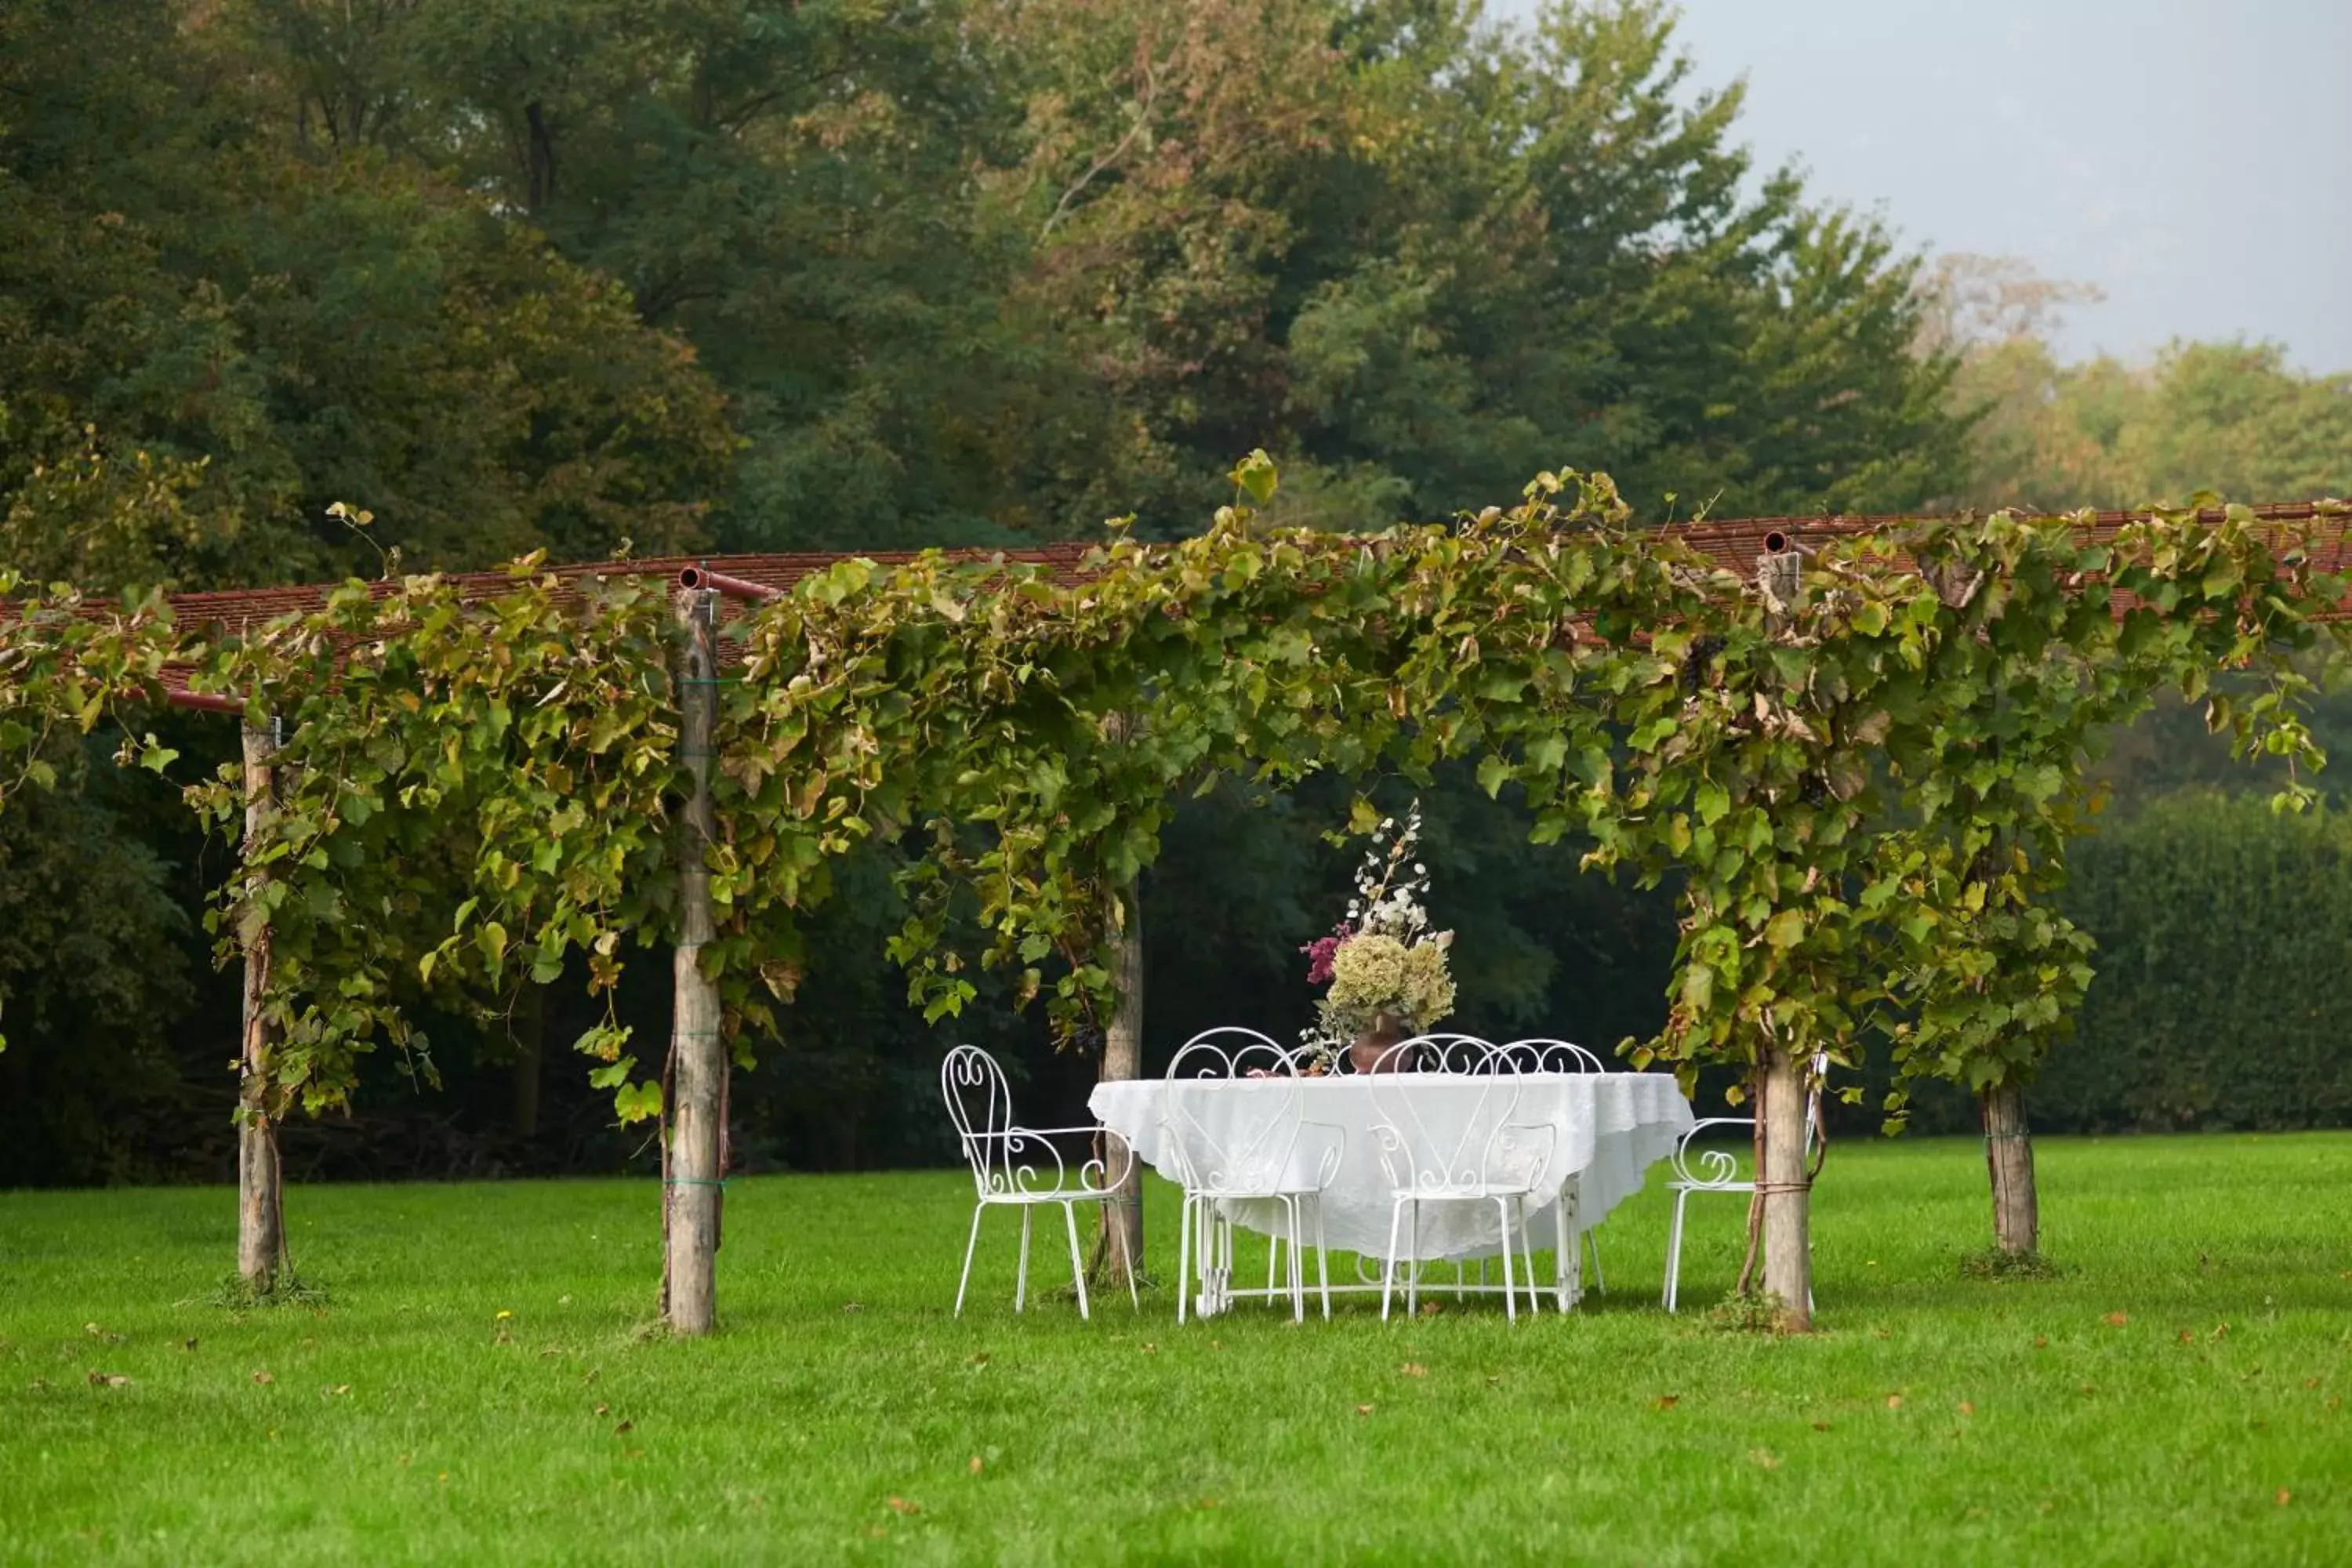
{"x":1382,"y":958}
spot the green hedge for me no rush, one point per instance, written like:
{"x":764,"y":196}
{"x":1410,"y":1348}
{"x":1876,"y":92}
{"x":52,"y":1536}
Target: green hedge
{"x":2224,"y":989}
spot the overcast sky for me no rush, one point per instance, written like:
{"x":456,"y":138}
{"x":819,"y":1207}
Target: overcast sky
{"x":2191,"y":158}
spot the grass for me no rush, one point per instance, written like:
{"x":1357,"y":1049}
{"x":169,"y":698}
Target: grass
{"x":2175,"y":1394}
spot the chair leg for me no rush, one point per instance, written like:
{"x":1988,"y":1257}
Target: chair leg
{"x":1221,"y":1229}
{"x":1077,"y":1262}
{"x":1020,"y":1281}
{"x":1675,"y":1250}
{"x":963,"y":1284}
{"x":1592,"y":1244}
{"x":1298,"y":1272}
{"x":1563,"y":1253}
{"x":1184,"y":1260}
{"x":1134,"y":1267}
{"x":1273,"y":1256}
{"x":1322,"y":1258}
{"x":1413,"y":1264}
{"x":1388,"y":1272}
{"x":1510,"y":1293}
{"x":1527,"y":1260}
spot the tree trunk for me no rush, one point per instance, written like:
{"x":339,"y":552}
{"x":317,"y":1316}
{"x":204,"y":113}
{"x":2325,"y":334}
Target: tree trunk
{"x":2008,"y":1158}
{"x":1121,"y":1245}
{"x":528,"y":1032}
{"x":260,"y":1199}
{"x":1785,"y":1188}
{"x":698,"y":1057}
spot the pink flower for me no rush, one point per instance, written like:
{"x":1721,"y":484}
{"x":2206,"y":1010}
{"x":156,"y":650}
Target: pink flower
{"x":1322,"y":951}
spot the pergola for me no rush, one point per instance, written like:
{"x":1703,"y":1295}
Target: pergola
{"x":1766,"y":549}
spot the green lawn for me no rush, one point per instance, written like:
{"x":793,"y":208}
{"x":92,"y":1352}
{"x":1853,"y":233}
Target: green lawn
{"x":2179,"y":1397}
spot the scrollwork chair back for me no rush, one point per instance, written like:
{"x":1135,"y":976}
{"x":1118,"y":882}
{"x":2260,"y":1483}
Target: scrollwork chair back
{"x":1543,"y":1054}
{"x":1006,"y":1158}
{"x":1422,"y":1146}
{"x":1244,"y":1155}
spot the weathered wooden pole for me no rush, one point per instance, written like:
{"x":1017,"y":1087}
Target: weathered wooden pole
{"x":261,"y":1198}
{"x":1122,"y":1057}
{"x":1783,"y":1183}
{"x":691,"y":1192}
{"x":2008,"y":1161}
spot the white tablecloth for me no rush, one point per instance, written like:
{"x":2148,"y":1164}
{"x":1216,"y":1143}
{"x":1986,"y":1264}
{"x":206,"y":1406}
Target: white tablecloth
{"x":1608,"y":1129}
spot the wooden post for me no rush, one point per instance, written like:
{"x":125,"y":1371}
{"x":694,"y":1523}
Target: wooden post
{"x":1122,"y":1239}
{"x":691,"y":1192}
{"x":2008,"y":1159}
{"x":1785,"y":1187}
{"x":261,"y":1198}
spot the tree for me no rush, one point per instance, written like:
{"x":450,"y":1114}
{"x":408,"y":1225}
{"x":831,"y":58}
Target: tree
{"x":2217,"y":418}
{"x":255,"y":329}
{"x":1419,"y":257}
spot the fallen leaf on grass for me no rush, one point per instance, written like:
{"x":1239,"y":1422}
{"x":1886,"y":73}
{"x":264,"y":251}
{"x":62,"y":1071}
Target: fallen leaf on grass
{"x":1363,"y":1410}
{"x":1766,"y":1457}
{"x":334,"y":1390}
{"x":979,"y":1358}
{"x":188,"y":1345}
{"x":1895,"y":1401}
{"x":1821,"y":1425}
{"x":603,"y":1409}
{"x":2221,"y":1332}
{"x":2188,"y":1337}
{"x":264,"y":1378}
{"x":1151,"y":1349}
{"x":1665,"y":1401}
{"x":1968,"y":1407}
{"x":1430,"y":1308}
{"x":109,"y":1380}
{"x":2042,"y":1342}
{"x":1413,"y":1369}
{"x":625,"y":1429}
{"x":901,"y":1505}
{"x":976,"y":1465}
{"x":853,"y":1306}
{"x":2117,"y":1319}
{"x":103,"y":1336}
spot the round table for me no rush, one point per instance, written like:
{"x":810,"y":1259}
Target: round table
{"x":1607,"y":1128}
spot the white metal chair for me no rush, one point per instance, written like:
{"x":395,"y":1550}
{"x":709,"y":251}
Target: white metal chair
{"x":1717,"y":1170}
{"x":1265,"y":1157}
{"x":1543,"y":1054}
{"x":1019,"y":1167}
{"x":1484,"y":1158}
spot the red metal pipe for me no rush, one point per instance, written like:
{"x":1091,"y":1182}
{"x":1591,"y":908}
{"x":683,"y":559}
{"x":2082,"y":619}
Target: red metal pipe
{"x":720,"y":581}
{"x":205,"y":700}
